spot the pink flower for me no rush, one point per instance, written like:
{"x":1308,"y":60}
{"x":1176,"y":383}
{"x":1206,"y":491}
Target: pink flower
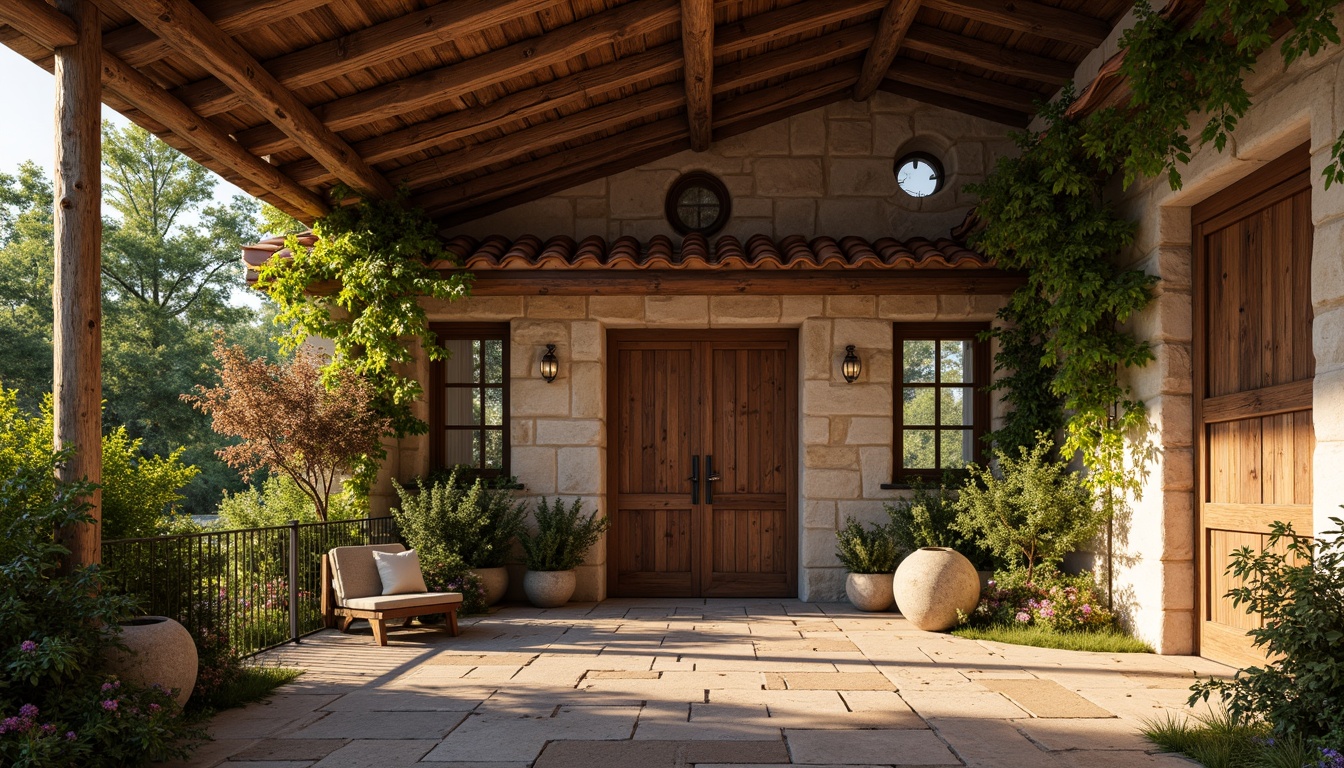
{"x":1087,"y":610}
{"x":110,"y":705}
{"x":28,"y":711}
{"x":27,"y":646}
{"x":70,"y":736}
{"x":1023,"y":617}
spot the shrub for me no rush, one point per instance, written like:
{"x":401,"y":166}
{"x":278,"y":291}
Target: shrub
{"x":278,"y":500}
{"x":1294,"y":585}
{"x":1054,"y":601}
{"x":925,"y":518}
{"x":1031,"y":512}
{"x":476,"y":521}
{"x":562,"y":538}
{"x":866,"y":551}
{"x":58,"y":705}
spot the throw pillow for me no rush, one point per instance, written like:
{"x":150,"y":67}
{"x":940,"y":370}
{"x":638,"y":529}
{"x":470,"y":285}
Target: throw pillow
{"x":400,"y":572}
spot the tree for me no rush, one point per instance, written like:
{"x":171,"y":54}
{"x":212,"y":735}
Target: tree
{"x":27,"y":269}
{"x":288,"y":421}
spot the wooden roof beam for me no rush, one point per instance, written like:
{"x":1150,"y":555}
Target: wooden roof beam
{"x":1030,"y":17}
{"x":988,"y":56}
{"x":50,"y":28}
{"x":137,"y":46}
{"x":392,"y":39}
{"x":800,"y":18}
{"x":849,"y":41}
{"x":697,"y":42}
{"x":891,"y":32}
{"x":428,"y":89}
{"x":961,"y":84}
{"x":188,"y":30}
{"x":960,"y":104}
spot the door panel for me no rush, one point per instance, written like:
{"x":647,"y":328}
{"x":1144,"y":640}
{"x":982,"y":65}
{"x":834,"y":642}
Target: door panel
{"x":692,"y":403}
{"x":1253,"y":383}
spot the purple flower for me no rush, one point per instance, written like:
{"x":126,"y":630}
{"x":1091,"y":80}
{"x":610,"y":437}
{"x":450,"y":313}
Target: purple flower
{"x":992,"y":583}
{"x":48,"y":729}
{"x":112,"y":686}
{"x":27,"y":646}
{"x":110,"y":705}
{"x":1087,"y":610}
{"x":1023,"y":617}
{"x":70,"y":736}
{"x":154,"y":707}
{"x":28,"y":711}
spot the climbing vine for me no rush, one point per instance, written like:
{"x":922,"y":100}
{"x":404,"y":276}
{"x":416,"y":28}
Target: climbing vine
{"x":1046,"y":212}
{"x":359,"y":285}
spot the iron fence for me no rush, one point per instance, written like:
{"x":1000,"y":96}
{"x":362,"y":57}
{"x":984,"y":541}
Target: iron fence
{"x":259,"y":587}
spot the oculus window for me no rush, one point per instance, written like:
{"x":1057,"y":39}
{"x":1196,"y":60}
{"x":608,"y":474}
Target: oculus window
{"x":919,"y":174}
{"x":697,"y":203}
{"x":942,"y":405}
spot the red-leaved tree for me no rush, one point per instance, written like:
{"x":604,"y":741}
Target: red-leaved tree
{"x":289,"y":422}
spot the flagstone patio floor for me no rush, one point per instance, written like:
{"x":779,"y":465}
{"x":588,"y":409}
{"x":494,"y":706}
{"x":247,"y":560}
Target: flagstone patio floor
{"x":654,"y":683}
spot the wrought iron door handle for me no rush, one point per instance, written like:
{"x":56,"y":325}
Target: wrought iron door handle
{"x":710,"y":477}
{"x":695,"y":479}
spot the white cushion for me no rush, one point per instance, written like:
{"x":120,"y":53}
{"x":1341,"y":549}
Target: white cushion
{"x":388,"y":602}
{"x":353,"y":572}
{"x":399,"y":572}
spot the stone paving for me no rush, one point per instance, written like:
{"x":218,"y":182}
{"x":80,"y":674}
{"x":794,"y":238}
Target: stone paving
{"x":653,"y":683}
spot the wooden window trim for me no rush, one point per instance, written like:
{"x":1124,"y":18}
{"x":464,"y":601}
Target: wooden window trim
{"x":437,"y":382}
{"x":980,"y":379}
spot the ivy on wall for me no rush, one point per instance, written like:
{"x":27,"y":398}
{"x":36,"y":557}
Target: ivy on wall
{"x":1046,"y":213}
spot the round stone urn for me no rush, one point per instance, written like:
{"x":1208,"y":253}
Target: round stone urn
{"x":549,"y":589}
{"x":932,"y":584}
{"x":494,"y":582}
{"x":159,"y":651}
{"x":869,"y":591}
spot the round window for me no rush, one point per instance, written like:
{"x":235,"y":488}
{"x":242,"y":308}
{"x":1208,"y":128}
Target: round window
{"x":919,"y":174}
{"x":698,"y":202}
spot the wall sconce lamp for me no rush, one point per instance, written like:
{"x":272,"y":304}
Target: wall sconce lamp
{"x":852,"y":366}
{"x":549,"y":365}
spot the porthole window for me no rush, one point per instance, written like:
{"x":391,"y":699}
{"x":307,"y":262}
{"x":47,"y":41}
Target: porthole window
{"x":919,"y":174}
{"x":698,"y":202}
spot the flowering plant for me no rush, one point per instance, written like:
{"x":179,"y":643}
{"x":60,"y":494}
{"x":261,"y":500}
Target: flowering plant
{"x":1056,"y":601}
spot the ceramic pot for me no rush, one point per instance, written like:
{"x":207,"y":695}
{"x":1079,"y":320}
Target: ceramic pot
{"x":494,"y":581}
{"x":869,"y":591}
{"x":932,"y":585}
{"x":549,"y":589}
{"x":160,"y":651}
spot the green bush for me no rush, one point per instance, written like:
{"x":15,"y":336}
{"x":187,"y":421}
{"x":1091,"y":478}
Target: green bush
{"x":279,"y":499}
{"x":563,"y":536}
{"x":1294,"y":584}
{"x":866,"y":551}
{"x":1029,"y":512}
{"x":59,"y":707}
{"x":1049,"y":600}
{"x":475,"y":521}
{"x":925,"y":519}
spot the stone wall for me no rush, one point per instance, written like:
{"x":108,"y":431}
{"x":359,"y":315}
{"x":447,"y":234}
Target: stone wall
{"x":825,"y":172}
{"x":558,"y":430}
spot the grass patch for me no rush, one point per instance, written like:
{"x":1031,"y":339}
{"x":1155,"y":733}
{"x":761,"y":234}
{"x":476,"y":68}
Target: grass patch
{"x":252,"y":684}
{"x":1216,"y":740}
{"x":1106,"y":641}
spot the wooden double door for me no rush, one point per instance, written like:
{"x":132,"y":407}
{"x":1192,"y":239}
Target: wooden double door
{"x":1254,"y":368}
{"x":702,"y":463}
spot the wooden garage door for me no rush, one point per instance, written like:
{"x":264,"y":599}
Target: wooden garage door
{"x":702,"y":441}
{"x":1253,"y":378}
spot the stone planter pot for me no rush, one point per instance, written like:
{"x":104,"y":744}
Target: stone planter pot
{"x":932,"y":584}
{"x":160,"y":651}
{"x":494,"y":581}
{"x":549,"y":589}
{"x":869,"y":591}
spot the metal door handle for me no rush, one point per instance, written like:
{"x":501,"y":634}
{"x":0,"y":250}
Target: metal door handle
{"x":710,"y":477}
{"x":695,"y":479}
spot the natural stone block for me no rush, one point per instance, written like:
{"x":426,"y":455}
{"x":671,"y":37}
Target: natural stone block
{"x":538,"y":333}
{"x":590,"y":208}
{"x":579,"y":470}
{"x":840,"y":429}
{"x":831,"y":483}
{"x":753,"y":207}
{"x":789,"y":177}
{"x":819,"y":513}
{"x":796,"y":309}
{"x":851,"y":306}
{"x":483,"y":307}
{"x":816,"y":430}
{"x":890,"y":133}
{"x":1178,"y":520}
{"x":847,"y":109}
{"x":557,"y":307}
{"x":849,"y":137}
{"x":770,"y":139}
{"x":616,"y":310}
{"x":1178,"y":585}
{"x":795,"y":217}
{"x":826,"y":398}
{"x":570,"y":432}
{"x":677,"y":310}
{"x":865,"y":511}
{"x":744,"y":310}
{"x":590,"y":583}
{"x":640,"y":193}
{"x":816,"y":351}
{"x":907,"y":308}
{"x":520,"y":431}
{"x":830,"y":457}
{"x":537,"y":397}
{"x":861,"y":177}
{"x":875,"y":465}
{"x":807,"y":133}
{"x":534,"y":468}
{"x":867,"y":335}
{"x":586,"y":391}
{"x":585,"y":341}
{"x":865,"y":217}
{"x":866,"y":430}
{"x":819,"y":549}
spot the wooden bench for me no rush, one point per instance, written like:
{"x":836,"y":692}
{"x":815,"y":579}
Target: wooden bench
{"x":351,"y":589}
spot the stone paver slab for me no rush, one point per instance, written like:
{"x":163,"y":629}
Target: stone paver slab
{"x":1099,"y":734}
{"x":478,"y":659}
{"x":406,"y":701}
{"x":621,"y":674}
{"x":837,"y":681}
{"x":380,"y":725}
{"x":290,"y":749}
{"x":982,"y":704}
{"x":661,"y":754}
{"x":521,"y":737}
{"x":377,"y":753}
{"x":868,"y":748}
{"x":990,"y":743}
{"x":1046,"y":698}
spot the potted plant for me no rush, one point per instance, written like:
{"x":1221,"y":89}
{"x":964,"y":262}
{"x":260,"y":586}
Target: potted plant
{"x":560,"y":542}
{"x":871,"y":556}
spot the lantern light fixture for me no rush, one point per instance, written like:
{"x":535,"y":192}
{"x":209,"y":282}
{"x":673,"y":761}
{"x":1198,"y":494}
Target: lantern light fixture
{"x":550,"y":367}
{"x":852,"y":366}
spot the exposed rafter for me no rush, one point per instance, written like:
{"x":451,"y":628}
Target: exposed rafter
{"x":960,"y":104}
{"x":891,"y":31}
{"x":988,"y":56}
{"x":960,"y":84}
{"x":697,"y":45}
{"x":188,"y":30}
{"x":39,"y":21}
{"x":747,"y":33}
{"x":138,"y":46}
{"x":1030,"y":17}
{"x":849,"y":41}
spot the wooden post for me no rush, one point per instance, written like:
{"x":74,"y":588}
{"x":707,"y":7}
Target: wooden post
{"x":77,"y":294}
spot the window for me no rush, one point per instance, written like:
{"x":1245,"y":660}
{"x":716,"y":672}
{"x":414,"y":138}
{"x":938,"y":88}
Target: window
{"x":469,"y":399}
{"x":919,"y":174}
{"x":942,"y":407}
{"x":697,"y":202}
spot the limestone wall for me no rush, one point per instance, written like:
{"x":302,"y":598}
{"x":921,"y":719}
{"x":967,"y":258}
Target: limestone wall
{"x":825,"y":172}
{"x":558,"y":430}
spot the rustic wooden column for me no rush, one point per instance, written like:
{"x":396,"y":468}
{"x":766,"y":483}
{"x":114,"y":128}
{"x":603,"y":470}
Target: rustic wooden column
{"x":77,"y":294}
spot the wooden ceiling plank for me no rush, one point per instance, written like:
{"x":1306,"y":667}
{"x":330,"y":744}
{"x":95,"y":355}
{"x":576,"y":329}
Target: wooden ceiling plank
{"x":427,"y":89}
{"x":1033,"y":18}
{"x":138,"y":46}
{"x":188,"y":30}
{"x":800,"y":18}
{"x":960,"y":104}
{"x":892,"y":29}
{"x":784,"y":61}
{"x":964,"y":85}
{"x":697,"y":40}
{"x":39,"y":21}
{"x":989,"y":56}
{"x":391,"y":39}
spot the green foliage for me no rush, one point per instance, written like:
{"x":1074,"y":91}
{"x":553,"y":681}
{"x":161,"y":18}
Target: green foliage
{"x":476,"y":520}
{"x":866,"y":551}
{"x":252,"y":683}
{"x":1023,"y":378}
{"x":1294,"y":586}
{"x":925,"y":519}
{"x":1029,"y":511}
{"x":58,"y":704}
{"x":1103,"y":641}
{"x":1219,"y":740}
{"x":379,"y":256}
{"x":1047,"y":599}
{"x":277,"y":500}
{"x":562,"y":538}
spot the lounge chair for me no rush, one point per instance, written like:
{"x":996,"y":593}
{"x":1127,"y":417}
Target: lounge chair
{"x":352,"y":589}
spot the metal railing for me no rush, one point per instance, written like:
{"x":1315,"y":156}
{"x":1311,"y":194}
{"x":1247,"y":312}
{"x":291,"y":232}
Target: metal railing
{"x":259,"y":587}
